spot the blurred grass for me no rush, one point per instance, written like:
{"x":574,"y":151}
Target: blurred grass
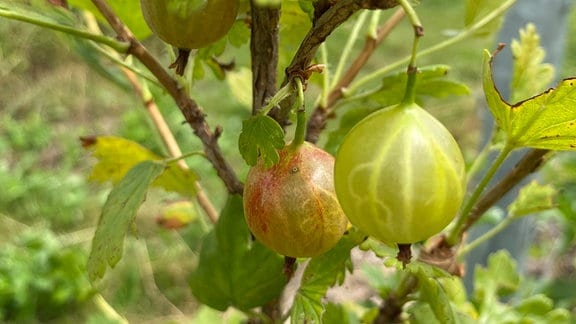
{"x":51,"y":96}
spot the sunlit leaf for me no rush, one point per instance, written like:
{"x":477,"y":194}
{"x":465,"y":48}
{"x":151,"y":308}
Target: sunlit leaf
{"x":322,"y":272}
{"x":233,"y":270}
{"x":546,"y":121}
{"x":531,"y":75}
{"x":117,"y":155}
{"x":128,"y":11}
{"x":532,"y":198}
{"x":118,"y":216}
{"x":261,"y":136}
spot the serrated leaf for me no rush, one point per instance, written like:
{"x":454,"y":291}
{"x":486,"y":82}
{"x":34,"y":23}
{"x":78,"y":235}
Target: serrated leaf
{"x":321,"y":273}
{"x":532,"y":198}
{"x":530,"y":75}
{"x":433,"y":293}
{"x":535,"y":305}
{"x":477,"y":10}
{"x":118,"y":216}
{"x":261,"y":136}
{"x":129,"y":11}
{"x":233,"y":270}
{"x":546,"y":121}
{"x":117,"y":155}
{"x":499,"y":278}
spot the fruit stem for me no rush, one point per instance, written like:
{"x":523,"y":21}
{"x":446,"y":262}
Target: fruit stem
{"x":300,"y":132}
{"x":181,"y":61}
{"x":453,"y":237}
{"x":410,"y":93}
{"x":404,"y":254}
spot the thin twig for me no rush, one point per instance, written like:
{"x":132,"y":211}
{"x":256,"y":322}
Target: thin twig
{"x":322,"y":28}
{"x":320,"y":114}
{"x":170,"y":142}
{"x":193,"y":115}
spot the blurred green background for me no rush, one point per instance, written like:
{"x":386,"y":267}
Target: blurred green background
{"x":52,"y":93}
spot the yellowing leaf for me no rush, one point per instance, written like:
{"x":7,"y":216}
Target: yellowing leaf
{"x":117,"y":155}
{"x":546,"y":121}
{"x":531,"y":75}
{"x":118,"y":216}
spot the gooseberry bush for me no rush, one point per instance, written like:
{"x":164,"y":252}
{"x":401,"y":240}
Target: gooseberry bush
{"x":339,"y":158}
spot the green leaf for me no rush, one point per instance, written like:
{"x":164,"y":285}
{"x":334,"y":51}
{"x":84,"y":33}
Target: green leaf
{"x":118,"y":216}
{"x":478,"y":9}
{"x":532,"y":198}
{"x":129,"y":11}
{"x":546,"y":121}
{"x":117,"y":155}
{"x":338,"y":313}
{"x":239,"y":34}
{"x":323,"y":272}
{"x":261,"y":135}
{"x":536,"y":305}
{"x":233,"y":270}
{"x":499,"y":278}
{"x":531,"y":75}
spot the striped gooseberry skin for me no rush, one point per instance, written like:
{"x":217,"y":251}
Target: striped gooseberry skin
{"x":291,"y":207}
{"x":400,"y":175}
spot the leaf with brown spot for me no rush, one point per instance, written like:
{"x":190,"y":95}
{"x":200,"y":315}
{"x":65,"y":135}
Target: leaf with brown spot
{"x":545,"y":121}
